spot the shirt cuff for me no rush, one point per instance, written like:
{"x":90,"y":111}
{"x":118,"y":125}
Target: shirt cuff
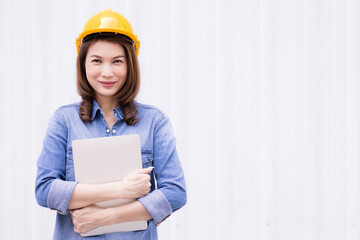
{"x":157,"y":205}
{"x":60,"y":194}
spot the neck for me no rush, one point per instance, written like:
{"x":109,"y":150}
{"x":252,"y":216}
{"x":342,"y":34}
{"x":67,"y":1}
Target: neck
{"x":107,"y":104}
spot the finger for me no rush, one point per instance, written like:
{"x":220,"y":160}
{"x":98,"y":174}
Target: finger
{"x":76,"y":230}
{"x":145,"y":170}
{"x":72,"y":213}
{"x":75,"y":213}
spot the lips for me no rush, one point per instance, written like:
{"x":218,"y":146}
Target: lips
{"x":107,"y":83}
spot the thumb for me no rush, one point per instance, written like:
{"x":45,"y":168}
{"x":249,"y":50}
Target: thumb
{"x":145,"y":170}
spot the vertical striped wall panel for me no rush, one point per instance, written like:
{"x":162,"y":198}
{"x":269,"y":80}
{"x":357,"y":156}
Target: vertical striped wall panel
{"x":263,"y":97}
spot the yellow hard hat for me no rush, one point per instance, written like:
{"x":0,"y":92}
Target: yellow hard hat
{"x":108,"y":21}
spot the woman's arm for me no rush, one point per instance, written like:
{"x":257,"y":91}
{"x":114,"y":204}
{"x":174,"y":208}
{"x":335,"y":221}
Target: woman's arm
{"x":135,"y":185}
{"x":91,"y":217}
{"x":170,"y":194}
{"x":51,"y":188}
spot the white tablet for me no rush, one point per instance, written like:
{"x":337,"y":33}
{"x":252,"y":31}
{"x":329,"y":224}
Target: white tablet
{"x":108,"y":159}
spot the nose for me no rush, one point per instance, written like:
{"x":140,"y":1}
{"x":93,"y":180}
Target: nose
{"x":106,"y":71}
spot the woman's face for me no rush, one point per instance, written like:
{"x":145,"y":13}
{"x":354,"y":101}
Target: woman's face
{"x":106,"y":68}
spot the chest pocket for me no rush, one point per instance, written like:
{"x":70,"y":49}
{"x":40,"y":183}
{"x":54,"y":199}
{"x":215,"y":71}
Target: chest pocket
{"x":147,"y":158}
{"x":70,"y":175}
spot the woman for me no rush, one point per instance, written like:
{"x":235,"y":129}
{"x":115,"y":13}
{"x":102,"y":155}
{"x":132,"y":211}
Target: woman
{"x":108,"y":82}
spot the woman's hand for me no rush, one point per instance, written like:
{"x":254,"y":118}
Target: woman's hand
{"x":136,"y":184}
{"x":91,"y":217}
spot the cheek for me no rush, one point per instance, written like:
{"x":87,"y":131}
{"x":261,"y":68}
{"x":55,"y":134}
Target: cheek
{"x":122,"y":72}
{"x":91,"y":71}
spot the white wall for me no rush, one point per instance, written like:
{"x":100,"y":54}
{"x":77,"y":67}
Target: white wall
{"x":263,"y":96}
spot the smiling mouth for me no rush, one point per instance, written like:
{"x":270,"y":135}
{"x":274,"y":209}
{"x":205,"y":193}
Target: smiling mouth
{"x":107,"y":84}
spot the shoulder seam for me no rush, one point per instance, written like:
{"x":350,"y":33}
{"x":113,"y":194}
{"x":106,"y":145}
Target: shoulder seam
{"x":150,"y":107}
{"x":69,"y":105}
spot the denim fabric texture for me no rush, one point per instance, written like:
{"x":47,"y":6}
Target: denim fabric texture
{"x":55,"y":181}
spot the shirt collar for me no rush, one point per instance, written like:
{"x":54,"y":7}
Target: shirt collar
{"x":96,"y":108}
{"x":119,"y":112}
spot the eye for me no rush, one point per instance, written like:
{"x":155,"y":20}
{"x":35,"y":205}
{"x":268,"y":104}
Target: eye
{"x":96,"y":60}
{"x":118,"y":61}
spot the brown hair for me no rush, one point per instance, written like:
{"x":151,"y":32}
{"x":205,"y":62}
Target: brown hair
{"x":125,"y":96}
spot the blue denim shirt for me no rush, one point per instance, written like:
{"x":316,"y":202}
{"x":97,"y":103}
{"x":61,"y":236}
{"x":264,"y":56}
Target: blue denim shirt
{"x":55,"y":179}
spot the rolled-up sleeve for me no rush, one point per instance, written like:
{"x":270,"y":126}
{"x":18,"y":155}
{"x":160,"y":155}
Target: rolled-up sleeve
{"x":157,"y":205}
{"x":60,"y":188}
{"x":170,"y":194}
{"x":51,"y":188}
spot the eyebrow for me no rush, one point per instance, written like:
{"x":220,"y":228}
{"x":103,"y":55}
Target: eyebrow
{"x":119,"y":56}
{"x":97,"y":56}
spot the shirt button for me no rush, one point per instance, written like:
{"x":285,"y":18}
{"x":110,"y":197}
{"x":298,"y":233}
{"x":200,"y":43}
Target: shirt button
{"x":107,"y":130}
{"x":114,"y":131}
{"x":115,"y":113}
